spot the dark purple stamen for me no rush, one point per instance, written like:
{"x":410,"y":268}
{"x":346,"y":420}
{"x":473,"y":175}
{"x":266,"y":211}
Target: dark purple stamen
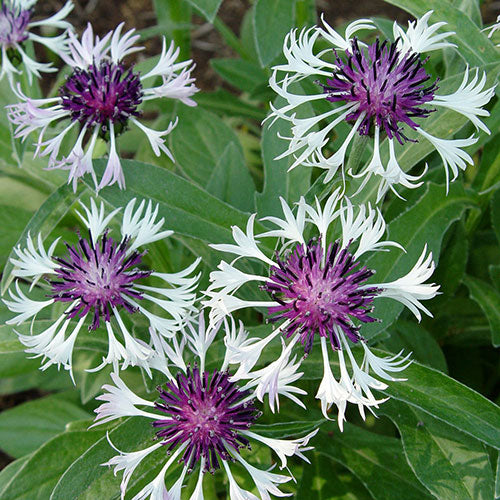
{"x":316,"y":294}
{"x":102,"y":94}
{"x":13,"y":24}
{"x":389,"y":87}
{"x":98,"y":276}
{"x":206,"y":411}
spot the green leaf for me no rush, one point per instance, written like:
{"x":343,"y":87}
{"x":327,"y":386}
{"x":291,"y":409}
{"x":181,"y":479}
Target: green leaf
{"x":376,"y":460}
{"x":27,"y":426}
{"x":414,"y":338}
{"x":489,"y":300}
{"x":12,"y":219}
{"x":9,"y":472}
{"x":450,"y":401}
{"x":242,"y":74}
{"x":208,"y":8}
{"x":283,"y":430}
{"x":36,"y":482}
{"x":495,"y":213}
{"x":223,"y":102}
{"x":272,"y":20}
{"x":449,"y":464}
{"x":473,"y":45}
{"x":231,"y":181}
{"x":44,"y":221}
{"x":324,"y":479}
{"x":86,"y":475}
{"x":198,"y":141}
{"x":425,"y":223}
{"x":188,"y":209}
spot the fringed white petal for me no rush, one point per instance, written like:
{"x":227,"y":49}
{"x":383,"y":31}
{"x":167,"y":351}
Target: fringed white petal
{"x":95,"y":219}
{"x":120,"y":401}
{"x":469,"y":99}
{"x":411,"y":289}
{"x":25,"y":307}
{"x":142,"y":229}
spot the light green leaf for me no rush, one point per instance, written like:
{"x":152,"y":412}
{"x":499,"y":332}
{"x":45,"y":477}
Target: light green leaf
{"x":9,"y":472}
{"x":44,"y":221}
{"x":27,"y":426}
{"x":449,"y":464}
{"x":272,"y":20}
{"x":34,"y":482}
{"x":242,"y":74}
{"x":208,"y":8}
{"x":231,"y":181}
{"x":197,"y":143}
{"x":489,"y":300}
{"x":188,"y":209}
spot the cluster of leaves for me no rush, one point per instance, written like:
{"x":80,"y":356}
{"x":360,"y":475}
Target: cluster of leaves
{"x":439,"y":434}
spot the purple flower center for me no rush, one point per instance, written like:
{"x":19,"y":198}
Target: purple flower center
{"x":320,"y":293}
{"x":206,"y":412}
{"x":387,"y":85}
{"x":98,"y":276}
{"x":13,"y":24}
{"x":102,"y":94}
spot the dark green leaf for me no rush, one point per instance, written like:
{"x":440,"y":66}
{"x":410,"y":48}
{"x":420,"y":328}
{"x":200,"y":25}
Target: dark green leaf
{"x":414,"y":338}
{"x":489,"y":300}
{"x":377,"y":461}
{"x":425,"y":223}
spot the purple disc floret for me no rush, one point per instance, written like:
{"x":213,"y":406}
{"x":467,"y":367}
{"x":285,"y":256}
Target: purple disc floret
{"x":318,"y":293}
{"x":388,"y":85}
{"x":206,"y":412}
{"x":102,"y":93}
{"x":98,"y":276}
{"x":13,"y":24}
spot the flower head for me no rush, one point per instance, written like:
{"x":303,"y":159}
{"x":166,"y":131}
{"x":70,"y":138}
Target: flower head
{"x":318,"y":293}
{"x":203,"y":418}
{"x":15,"y":24}
{"x":381,"y":89}
{"x":98,"y":281}
{"x":102,"y":98}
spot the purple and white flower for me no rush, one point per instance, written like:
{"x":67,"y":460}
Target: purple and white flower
{"x":15,"y":25}
{"x":382,"y":89}
{"x":203,"y":420}
{"x":98,"y":282}
{"x":318,"y":291}
{"x":101,"y":98}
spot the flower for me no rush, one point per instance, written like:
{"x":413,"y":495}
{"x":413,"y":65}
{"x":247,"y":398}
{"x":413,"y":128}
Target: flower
{"x":15,"y":25}
{"x":101,"y":98}
{"x":382,"y":89}
{"x":318,"y":292}
{"x":98,"y":280}
{"x":203,"y":419}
